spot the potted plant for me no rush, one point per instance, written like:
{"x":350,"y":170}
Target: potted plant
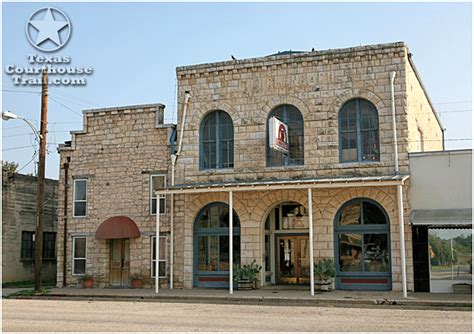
{"x":246,"y":275}
{"x":137,"y":281}
{"x":324,"y":273}
{"x":87,"y":281}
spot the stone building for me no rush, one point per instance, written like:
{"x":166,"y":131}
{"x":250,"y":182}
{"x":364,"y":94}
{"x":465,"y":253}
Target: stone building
{"x":19,"y":193}
{"x":300,"y":146}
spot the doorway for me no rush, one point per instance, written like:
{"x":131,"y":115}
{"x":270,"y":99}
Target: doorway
{"x":119,"y":262}
{"x":293,"y":264}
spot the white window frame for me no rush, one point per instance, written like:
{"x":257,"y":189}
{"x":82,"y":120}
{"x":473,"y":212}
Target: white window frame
{"x":162,"y":239}
{"x":153,"y":196}
{"x":81,"y":201}
{"x":74,"y":258}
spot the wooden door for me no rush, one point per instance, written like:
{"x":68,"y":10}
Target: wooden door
{"x":119,"y":262}
{"x":293,"y":259}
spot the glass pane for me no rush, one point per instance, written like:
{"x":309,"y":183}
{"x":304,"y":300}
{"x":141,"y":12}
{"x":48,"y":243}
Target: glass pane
{"x":236,"y":246}
{"x":213,"y":253}
{"x":79,"y":209}
{"x":287,"y":257}
{"x":224,"y":253}
{"x":79,"y":267}
{"x":348,"y":117}
{"x":157,"y":183}
{"x":370,"y":145}
{"x":376,"y":252}
{"x":350,"y":215}
{"x":368,"y":116}
{"x":373,"y":214}
{"x":267,"y":253}
{"x":162,"y":265}
{"x":204,"y":220}
{"x":450,"y":253}
{"x":348,"y":146}
{"x":350,"y":252}
{"x":202,"y":253}
{"x":80,"y":190}
{"x":214,"y":216}
{"x":224,"y":217}
{"x":116,"y":246}
{"x":162,"y":248}
{"x":80,"y":247}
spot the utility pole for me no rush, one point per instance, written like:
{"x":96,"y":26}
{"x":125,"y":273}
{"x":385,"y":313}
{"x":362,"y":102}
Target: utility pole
{"x":41,"y":173}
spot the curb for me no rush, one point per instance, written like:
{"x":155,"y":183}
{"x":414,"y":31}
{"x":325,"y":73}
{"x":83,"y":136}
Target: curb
{"x":275,"y":301}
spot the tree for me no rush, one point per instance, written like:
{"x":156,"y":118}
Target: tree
{"x":9,"y":166}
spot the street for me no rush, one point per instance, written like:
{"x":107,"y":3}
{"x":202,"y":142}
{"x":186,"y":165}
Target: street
{"x":64,"y":315}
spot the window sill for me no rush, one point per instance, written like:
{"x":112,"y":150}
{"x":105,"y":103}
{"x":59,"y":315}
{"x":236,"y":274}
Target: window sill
{"x":359,"y":164}
{"x":285,"y":168}
{"x":216,"y":171}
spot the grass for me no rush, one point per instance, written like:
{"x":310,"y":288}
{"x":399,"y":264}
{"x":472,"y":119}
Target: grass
{"x":26,"y":284}
{"x":29,"y":292}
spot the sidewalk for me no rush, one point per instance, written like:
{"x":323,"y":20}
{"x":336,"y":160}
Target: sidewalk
{"x":271,"y":297}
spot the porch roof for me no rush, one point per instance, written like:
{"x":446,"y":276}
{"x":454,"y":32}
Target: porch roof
{"x":305,"y":183}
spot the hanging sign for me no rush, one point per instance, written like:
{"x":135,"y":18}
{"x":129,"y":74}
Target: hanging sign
{"x":278,"y":132}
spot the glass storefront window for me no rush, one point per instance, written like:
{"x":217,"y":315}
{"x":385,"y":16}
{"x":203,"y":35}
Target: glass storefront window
{"x":350,"y":215}
{"x":450,"y":252}
{"x":350,"y":252}
{"x":376,"y":252}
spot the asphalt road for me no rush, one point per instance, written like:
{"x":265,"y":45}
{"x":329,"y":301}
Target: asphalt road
{"x":63,"y":315}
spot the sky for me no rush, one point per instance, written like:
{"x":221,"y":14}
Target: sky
{"x":134,"y":49}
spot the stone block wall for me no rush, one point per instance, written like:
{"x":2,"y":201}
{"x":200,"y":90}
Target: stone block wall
{"x":117,"y":152}
{"x":19,"y":197}
{"x":318,"y":84}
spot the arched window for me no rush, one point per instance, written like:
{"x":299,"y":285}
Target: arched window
{"x":217,"y":141}
{"x":292,"y":117}
{"x":362,"y":246}
{"x":358,"y":132}
{"x":211,"y":245}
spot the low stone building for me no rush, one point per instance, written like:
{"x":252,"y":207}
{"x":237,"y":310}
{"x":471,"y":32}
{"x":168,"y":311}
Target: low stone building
{"x":19,"y":194}
{"x":300,"y":146}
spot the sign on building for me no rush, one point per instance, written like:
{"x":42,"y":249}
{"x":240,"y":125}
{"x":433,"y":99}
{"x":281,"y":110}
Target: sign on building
{"x":278,"y":132}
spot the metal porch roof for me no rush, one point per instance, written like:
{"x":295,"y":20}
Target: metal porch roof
{"x":442,"y":217}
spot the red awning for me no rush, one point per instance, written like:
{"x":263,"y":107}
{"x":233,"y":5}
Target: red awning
{"x":117,"y":227}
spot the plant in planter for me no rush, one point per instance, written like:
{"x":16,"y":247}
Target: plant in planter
{"x":324,"y":273}
{"x":246,"y":275}
{"x":136,"y":282}
{"x":87,"y":281}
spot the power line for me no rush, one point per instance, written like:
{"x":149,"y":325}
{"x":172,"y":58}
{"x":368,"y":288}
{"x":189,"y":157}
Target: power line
{"x":65,"y":106}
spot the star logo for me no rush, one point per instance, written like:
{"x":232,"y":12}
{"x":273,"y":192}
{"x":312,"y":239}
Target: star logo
{"x":48,"y":29}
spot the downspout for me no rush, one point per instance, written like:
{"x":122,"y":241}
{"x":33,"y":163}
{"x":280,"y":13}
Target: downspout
{"x":399,"y":189}
{"x":66,"y":177}
{"x":174,"y":158}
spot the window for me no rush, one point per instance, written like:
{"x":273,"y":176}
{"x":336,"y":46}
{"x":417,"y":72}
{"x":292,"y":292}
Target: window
{"x":27,"y":245}
{"x":292,"y":117}
{"x":162,"y":261}
{"x":157,"y":182}
{"x":217,"y":141}
{"x":80,"y":198}
{"x":49,"y":245}
{"x":358,"y":132}
{"x":79,"y":255}
{"x":211,"y":245}
{"x":362,"y":237}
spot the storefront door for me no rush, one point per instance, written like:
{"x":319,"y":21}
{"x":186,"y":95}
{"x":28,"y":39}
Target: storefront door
{"x":293,"y":259}
{"x":119,"y":262}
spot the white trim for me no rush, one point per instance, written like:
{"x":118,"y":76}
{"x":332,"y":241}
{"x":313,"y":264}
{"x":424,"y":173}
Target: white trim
{"x":79,"y":201}
{"x":150,"y":184}
{"x":311,"y":241}
{"x":153,"y":237}
{"x":297,"y":184}
{"x":79,"y":258}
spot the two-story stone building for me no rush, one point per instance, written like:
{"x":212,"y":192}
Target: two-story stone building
{"x":300,"y":146}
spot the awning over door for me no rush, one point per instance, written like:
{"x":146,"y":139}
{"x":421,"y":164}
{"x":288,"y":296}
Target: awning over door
{"x":118,"y":227}
{"x":442,"y":218}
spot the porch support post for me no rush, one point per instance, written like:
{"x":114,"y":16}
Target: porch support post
{"x":231,"y":245}
{"x":157,"y":245}
{"x":311,"y":241}
{"x":402,"y":239}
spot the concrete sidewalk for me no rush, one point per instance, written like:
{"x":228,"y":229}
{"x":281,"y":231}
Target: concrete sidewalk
{"x":271,"y":296}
